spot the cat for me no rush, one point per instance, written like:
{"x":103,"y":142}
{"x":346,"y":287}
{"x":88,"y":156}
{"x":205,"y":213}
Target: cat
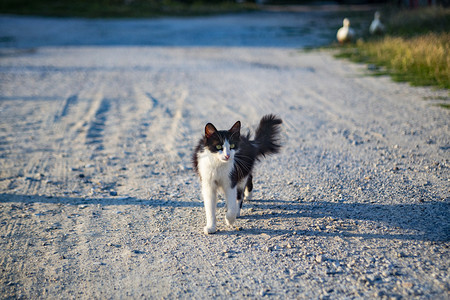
{"x":224,"y":160}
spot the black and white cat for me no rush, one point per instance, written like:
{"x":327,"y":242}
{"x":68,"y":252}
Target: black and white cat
{"x":224,"y":160}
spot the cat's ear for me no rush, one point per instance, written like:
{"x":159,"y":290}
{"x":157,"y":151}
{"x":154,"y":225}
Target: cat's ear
{"x":210,"y":130}
{"x":236,"y":128}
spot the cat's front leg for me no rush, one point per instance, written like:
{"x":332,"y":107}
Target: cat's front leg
{"x":232,"y":205}
{"x":209,"y":199}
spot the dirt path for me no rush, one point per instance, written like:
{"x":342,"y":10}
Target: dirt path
{"x":98,"y":198}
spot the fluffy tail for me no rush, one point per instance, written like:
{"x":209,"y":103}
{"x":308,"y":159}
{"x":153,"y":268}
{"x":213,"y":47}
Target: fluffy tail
{"x":267,"y":135}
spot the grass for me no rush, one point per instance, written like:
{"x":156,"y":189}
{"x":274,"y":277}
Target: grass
{"x":120,"y":8}
{"x":444,"y":105}
{"x":415,"y":48}
{"x":420,"y":60}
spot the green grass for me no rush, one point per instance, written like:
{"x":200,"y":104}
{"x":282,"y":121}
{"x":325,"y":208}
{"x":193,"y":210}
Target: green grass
{"x":119,"y":8}
{"x":415,"y":48}
{"x":444,"y":105}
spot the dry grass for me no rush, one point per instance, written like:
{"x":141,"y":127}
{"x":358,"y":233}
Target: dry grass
{"x":421,"y":60}
{"x":415,"y":49}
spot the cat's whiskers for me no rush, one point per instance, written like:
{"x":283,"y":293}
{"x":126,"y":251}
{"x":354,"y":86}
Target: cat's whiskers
{"x":242,"y":167}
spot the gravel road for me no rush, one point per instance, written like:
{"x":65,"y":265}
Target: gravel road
{"x":98,"y":199}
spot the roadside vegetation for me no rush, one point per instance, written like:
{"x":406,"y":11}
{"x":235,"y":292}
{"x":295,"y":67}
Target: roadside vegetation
{"x":415,"y":47}
{"x":121,"y":8}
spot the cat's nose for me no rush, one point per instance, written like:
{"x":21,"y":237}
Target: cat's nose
{"x":227,"y":157}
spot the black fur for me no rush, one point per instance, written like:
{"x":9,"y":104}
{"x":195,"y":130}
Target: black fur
{"x":266,"y":136}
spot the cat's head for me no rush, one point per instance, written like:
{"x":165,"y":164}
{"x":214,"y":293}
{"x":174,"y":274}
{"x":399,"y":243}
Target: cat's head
{"x":223,"y":143}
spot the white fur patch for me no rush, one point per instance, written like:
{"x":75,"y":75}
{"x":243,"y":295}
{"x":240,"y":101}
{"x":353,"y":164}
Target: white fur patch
{"x":215,"y":170}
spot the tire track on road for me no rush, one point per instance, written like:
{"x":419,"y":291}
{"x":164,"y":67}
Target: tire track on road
{"x":95,"y":131}
{"x":70,"y":101}
{"x":166,"y":115}
{"x":176,"y":129}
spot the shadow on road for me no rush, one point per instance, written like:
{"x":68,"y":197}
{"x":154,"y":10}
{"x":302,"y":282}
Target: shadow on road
{"x":428,"y":220}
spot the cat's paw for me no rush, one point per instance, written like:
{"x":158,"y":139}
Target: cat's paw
{"x":238,"y":214}
{"x":247,"y":195}
{"x":230,"y":218}
{"x":209,"y":230}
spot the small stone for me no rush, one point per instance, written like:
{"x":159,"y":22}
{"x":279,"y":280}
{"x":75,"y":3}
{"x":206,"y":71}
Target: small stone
{"x":113,"y":193}
{"x":319,"y":258}
{"x":378,"y":294}
{"x":407,"y":285}
{"x":264,"y":292}
{"x":395,"y":272}
{"x":401,"y":254}
{"x":265,"y":235}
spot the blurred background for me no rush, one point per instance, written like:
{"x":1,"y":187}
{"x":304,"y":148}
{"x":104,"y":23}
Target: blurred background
{"x":152,"y":8}
{"x":410,"y":42}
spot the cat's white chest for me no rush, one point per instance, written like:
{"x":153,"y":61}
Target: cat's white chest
{"x":212,"y":170}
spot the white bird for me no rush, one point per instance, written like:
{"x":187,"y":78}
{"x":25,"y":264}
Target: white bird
{"x":345,"y":33}
{"x":376,"y":27}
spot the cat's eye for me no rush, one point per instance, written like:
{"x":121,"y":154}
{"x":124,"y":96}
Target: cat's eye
{"x":219,"y":147}
{"x":232,"y":146}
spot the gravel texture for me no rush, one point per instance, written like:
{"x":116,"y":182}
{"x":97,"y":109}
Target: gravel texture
{"x":98,"y":198}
